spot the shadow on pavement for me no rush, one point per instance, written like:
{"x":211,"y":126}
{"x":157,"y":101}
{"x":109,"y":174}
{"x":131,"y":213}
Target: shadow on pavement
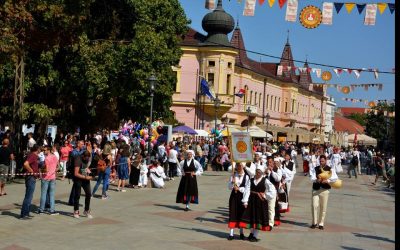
{"x":170,"y":206}
{"x":373,"y":237}
{"x":213,"y":220}
{"x":299,"y":224}
{"x":220,"y":210}
{"x":11,"y":214}
{"x":218,"y":234}
{"x":351,"y":248}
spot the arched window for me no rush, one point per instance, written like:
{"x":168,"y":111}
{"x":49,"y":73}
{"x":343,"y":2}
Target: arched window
{"x":279,"y":104}
{"x":246,"y":88}
{"x":251,"y":97}
{"x":259,"y":100}
{"x":234,"y":92}
{"x":266,"y":102}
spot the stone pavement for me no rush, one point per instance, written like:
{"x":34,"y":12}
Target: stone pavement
{"x":359,"y":216}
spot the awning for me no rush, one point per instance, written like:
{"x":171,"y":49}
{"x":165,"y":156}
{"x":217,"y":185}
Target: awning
{"x":229,"y":129}
{"x":257,"y":132}
{"x":201,"y":132}
{"x":363,"y":140}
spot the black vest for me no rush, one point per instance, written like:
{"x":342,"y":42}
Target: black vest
{"x":317,"y":185}
{"x":289,"y":165}
{"x":190,"y":168}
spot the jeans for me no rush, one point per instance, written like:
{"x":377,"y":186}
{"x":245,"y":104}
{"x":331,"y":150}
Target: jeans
{"x":85,"y":184}
{"x":48,"y":187}
{"x":30,"y":182}
{"x":350,"y":168}
{"x":103,"y":176}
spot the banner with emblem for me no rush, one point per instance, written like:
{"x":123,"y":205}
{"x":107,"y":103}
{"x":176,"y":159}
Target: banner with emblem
{"x":241,"y":147}
{"x":327,"y":13}
{"x":291,"y":10}
{"x":249,"y":8}
{"x":370,"y":14}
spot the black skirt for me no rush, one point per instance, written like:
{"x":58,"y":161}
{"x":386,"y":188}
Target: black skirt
{"x":256,"y":214}
{"x":134,"y":176}
{"x":187,"y":191}
{"x":236,"y":209}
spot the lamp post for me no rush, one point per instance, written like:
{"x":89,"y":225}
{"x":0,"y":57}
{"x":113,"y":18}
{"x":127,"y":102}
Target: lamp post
{"x":267,"y":116}
{"x":152,"y":82}
{"x":248,"y":110}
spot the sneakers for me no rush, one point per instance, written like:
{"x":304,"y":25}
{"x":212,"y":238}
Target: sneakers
{"x":39,"y":212}
{"x":123,"y":190}
{"x":313,"y":226}
{"x":76,"y":214}
{"x":87,"y":214}
{"x":54,"y":213}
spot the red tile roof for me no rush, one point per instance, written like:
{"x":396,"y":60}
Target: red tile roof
{"x":343,"y":124}
{"x":346,"y":111}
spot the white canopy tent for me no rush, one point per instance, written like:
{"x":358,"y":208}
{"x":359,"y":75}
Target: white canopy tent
{"x":202,"y":133}
{"x":362,"y":140}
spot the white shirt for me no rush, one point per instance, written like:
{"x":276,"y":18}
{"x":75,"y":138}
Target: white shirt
{"x":289,"y":174}
{"x":237,"y":179}
{"x":173,"y":156}
{"x":251,"y":171}
{"x":31,"y":142}
{"x":270,"y":190}
{"x":333,"y":178}
{"x":197,"y":166}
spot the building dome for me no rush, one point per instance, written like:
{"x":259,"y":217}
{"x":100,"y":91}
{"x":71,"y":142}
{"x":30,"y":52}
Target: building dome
{"x":218,"y":25}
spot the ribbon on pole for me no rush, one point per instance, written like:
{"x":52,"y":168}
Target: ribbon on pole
{"x":327,"y":13}
{"x":370,"y":14}
{"x":291,"y":10}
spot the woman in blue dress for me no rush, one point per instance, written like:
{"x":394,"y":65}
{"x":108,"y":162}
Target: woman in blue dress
{"x":124,"y":168}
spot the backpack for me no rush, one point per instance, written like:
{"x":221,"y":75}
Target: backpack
{"x":354,"y":160}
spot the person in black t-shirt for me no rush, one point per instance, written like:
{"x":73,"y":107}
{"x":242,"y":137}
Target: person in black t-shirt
{"x":6,"y":156}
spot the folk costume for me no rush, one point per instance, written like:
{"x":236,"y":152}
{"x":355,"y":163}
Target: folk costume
{"x":320,"y":194}
{"x":157,"y":175}
{"x":238,"y":200}
{"x":288,"y":172}
{"x":275,"y":178}
{"x":187,"y":191}
{"x":255,"y":215}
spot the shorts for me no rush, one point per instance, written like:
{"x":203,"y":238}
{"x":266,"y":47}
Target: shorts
{"x":3,"y":172}
{"x":379,"y":171}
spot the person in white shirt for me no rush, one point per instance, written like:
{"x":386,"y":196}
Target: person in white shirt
{"x":288,"y":172}
{"x":358,"y":167}
{"x":143,"y":173}
{"x":172,"y":162}
{"x":239,"y":184}
{"x":320,"y":192}
{"x":336,"y":161}
{"x":31,"y":141}
{"x":293,"y":156}
{"x":274,"y":174}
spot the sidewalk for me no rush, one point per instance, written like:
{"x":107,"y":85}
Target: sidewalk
{"x":359,"y":216}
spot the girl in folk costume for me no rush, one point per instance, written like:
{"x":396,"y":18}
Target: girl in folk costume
{"x":157,"y":174}
{"x":255,"y":216}
{"x":143,"y":172}
{"x":187,"y":191}
{"x":274,"y":175}
{"x":239,"y":183}
{"x":336,"y":160}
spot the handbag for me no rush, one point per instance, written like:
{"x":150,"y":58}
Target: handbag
{"x":283,"y":204}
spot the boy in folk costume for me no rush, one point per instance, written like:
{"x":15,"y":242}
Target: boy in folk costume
{"x":239,"y":183}
{"x":255,"y":216}
{"x":288,"y":171}
{"x":274,"y":175}
{"x":187,"y":191}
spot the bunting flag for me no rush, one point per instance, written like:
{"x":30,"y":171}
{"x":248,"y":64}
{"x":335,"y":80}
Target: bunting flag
{"x":361,"y":7}
{"x":249,"y":8}
{"x":280,"y":70}
{"x":357,"y":73}
{"x":376,"y":73}
{"x":291,"y":10}
{"x":271,"y":3}
{"x":338,"y":7}
{"x":349,"y":7}
{"x":345,"y":70}
{"x":366,"y":87}
{"x":370,"y":14}
{"x":210,"y":4}
{"x":380,"y":87}
{"x":317,"y":72}
{"x":391,"y":7}
{"x":261,"y":2}
{"x":327,"y":13}
{"x":281,"y":3}
{"x":382,"y":7}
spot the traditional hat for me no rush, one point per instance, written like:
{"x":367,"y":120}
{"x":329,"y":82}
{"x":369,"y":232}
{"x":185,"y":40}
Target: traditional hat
{"x":190,"y":151}
{"x":260,"y":167}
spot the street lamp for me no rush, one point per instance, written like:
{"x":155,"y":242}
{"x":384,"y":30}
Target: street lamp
{"x":267,"y":116}
{"x":152,"y":82}
{"x":248,"y":110}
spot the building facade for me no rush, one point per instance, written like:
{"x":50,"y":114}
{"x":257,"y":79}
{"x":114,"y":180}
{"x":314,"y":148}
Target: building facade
{"x":294,"y":106}
{"x":329,"y":118}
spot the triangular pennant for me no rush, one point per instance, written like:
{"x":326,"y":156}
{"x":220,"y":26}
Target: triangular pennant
{"x":345,"y":70}
{"x":357,"y":72}
{"x":281,"y":3}
{"x":349,"y":7}
{"x":336,"y":71}
{"x":308,"y":70}
{"x":376,"y":75}
{"x":271,"y":3}
{"x":261,"y":2}
{"x":349,"y":71}
{"x":352,"y":87}
{"x":361,"y":7}
{"x":382,"y":7}
{"x":380,"y":86}
{"x":338,"y":7}
{"x":366,"y":87}
{"x":391,"y":7}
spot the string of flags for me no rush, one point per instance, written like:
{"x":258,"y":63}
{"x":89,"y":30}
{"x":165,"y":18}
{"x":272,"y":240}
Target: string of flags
{"x":311,"y":16}
{"x":338,"y":71}
{"x":370,"y":103}
{"x":350,"y":88}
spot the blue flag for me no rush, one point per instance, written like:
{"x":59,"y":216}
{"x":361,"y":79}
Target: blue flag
{"x":205,"y":89}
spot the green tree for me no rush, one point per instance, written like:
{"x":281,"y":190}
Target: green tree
{"x":359,"y":118}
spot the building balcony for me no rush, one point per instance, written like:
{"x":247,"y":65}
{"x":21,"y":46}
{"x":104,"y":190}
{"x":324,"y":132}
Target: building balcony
{"x":253,"y":109}
{"x":288,"y":116}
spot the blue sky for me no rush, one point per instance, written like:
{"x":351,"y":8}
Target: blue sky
{"x":347,"y":43}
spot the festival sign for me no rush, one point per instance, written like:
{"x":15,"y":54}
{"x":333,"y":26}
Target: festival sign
{"x":310,"y":17}
{"x":326,"y":76}
{"x":241,"y":147}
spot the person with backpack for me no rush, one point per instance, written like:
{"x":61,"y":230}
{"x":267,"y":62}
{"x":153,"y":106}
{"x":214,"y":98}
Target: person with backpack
{"x":353,"y":165}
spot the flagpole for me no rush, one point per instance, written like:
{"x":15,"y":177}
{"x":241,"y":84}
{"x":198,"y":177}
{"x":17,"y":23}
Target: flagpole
{"x":197,"y":93}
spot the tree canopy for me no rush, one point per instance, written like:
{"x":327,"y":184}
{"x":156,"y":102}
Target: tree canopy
{"x":88,"y":61}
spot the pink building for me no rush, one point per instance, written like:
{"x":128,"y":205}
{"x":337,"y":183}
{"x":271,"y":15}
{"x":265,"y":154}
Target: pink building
{"x":295,"y":108}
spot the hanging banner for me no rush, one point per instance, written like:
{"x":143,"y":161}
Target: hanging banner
{"x":280,"y":70}
{"x":271,"y":3}
{"x":361,"y":7}
{"x":291,"y":10}
{"x":338,"y":7}
{"x":349,"y":7}
{"x":317,"y":72}
{"x":241,"y":146}
{"x":376,"y":73}
{"x":370,"y":14}
{"x":310,"y":17}
{"x":391,"y":7}
{"x":382,"y":7}
{"x":281,"y":3}
{"x":327,"y":13}
{"x":210,"y":4}
{"x":261,"y":2}
{"x":249,"y":8}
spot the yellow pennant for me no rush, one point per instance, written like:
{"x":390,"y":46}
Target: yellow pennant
{"x":271,"y":3}
{"x":349,"y":7}
{"x":382,"y":7}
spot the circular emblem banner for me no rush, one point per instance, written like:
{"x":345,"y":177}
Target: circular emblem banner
{"x":310,"y":17}
{"x":345,"y":90}
{"x":326,"y":76}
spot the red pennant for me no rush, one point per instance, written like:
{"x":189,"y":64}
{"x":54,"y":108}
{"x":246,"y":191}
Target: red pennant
{"x":350,"y":70}
{"x":261,"y":2}
{"x":281,"y":3}
{"x":308,"y":70}
{"x":294,"y":68}
{"x":340,"y":71}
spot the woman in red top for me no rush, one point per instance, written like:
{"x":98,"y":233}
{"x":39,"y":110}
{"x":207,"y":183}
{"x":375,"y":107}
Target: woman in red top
{"x":65,"y":150}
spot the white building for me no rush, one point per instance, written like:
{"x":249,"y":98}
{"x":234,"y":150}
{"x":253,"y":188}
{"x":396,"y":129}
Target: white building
{"x":329,"y":118}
